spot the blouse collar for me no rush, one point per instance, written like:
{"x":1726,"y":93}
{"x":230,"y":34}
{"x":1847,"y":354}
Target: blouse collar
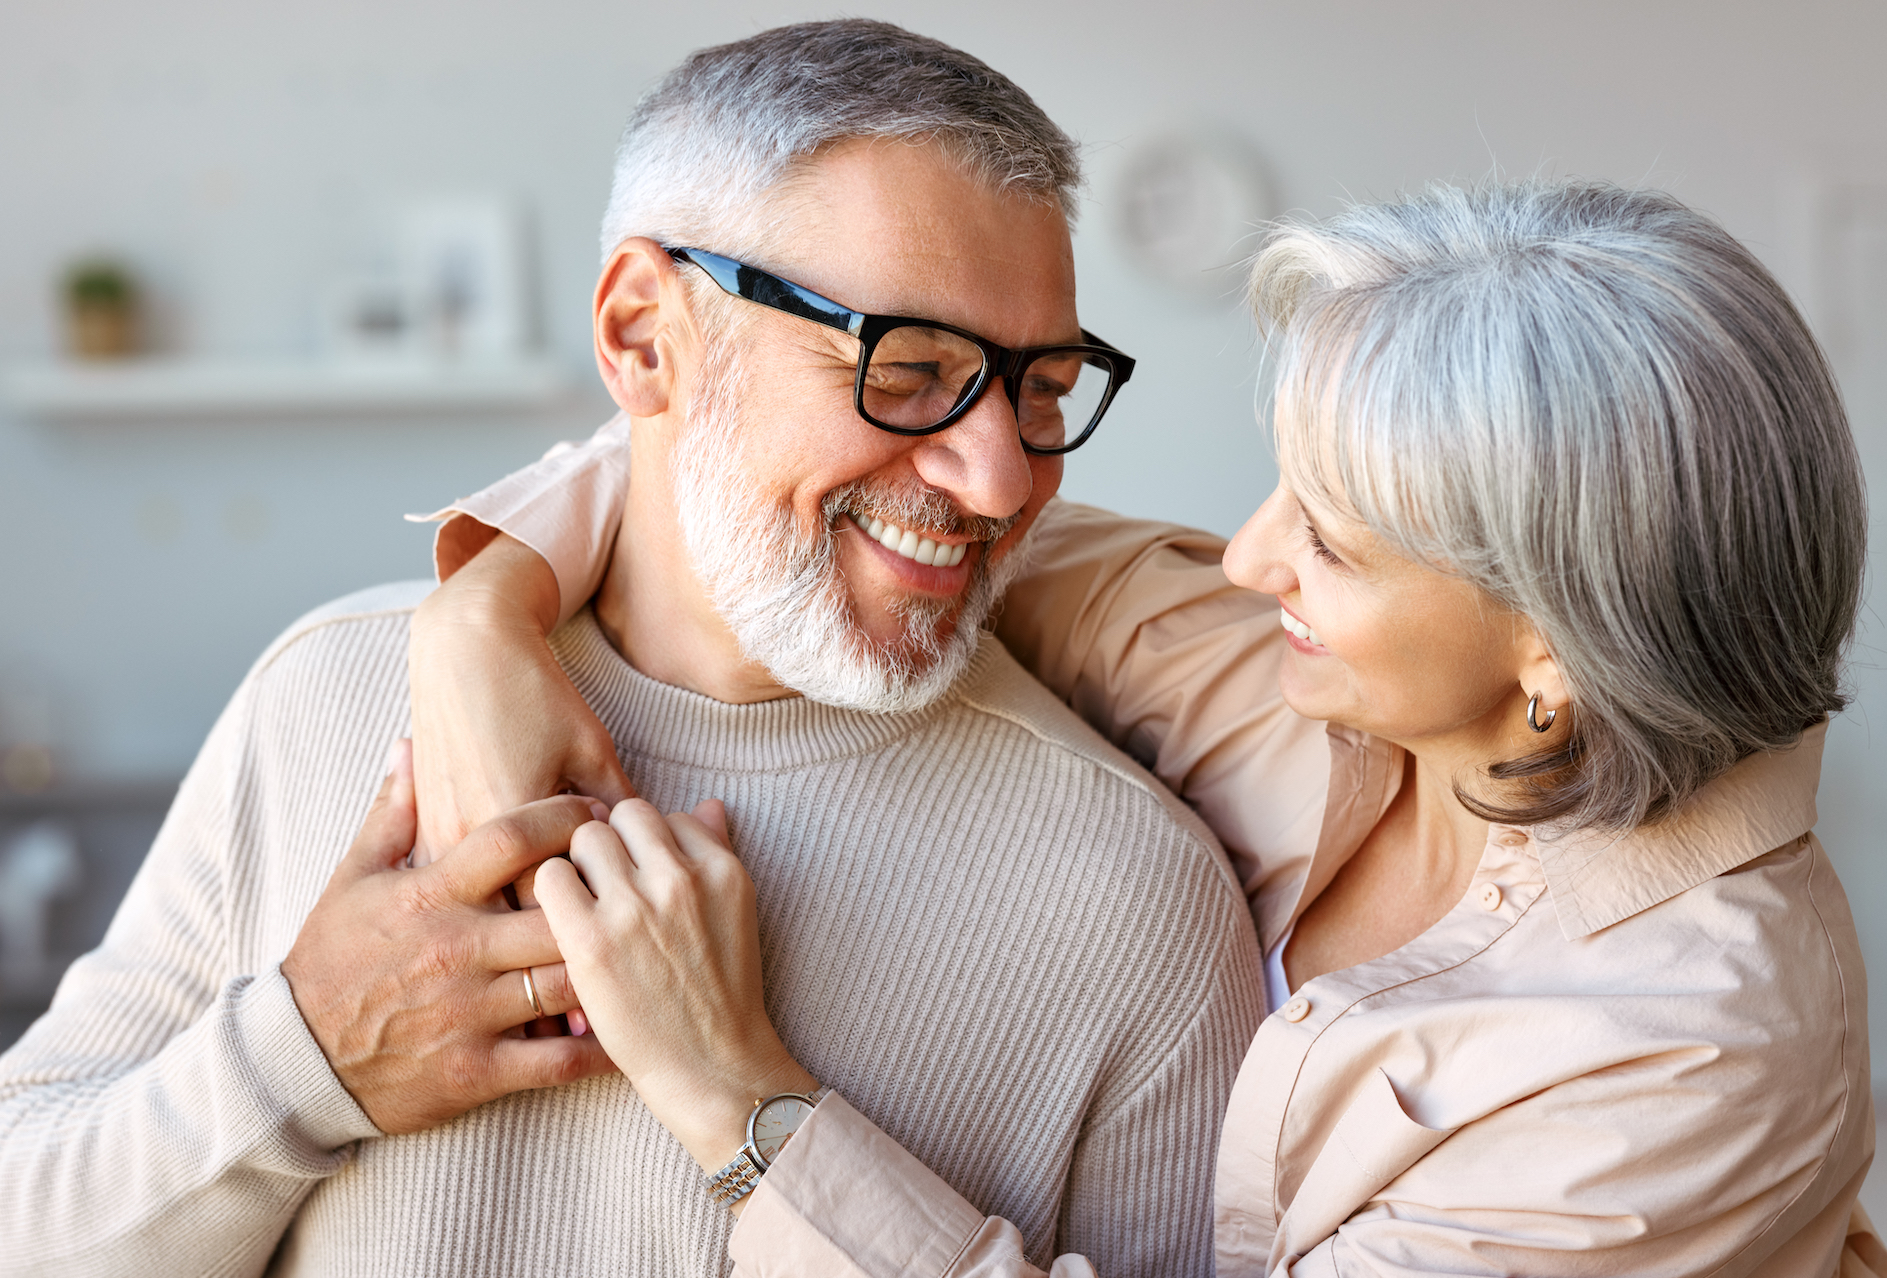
{"x":1594,"y":879}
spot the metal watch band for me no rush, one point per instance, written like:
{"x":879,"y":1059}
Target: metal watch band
{"x":736,"y":1180}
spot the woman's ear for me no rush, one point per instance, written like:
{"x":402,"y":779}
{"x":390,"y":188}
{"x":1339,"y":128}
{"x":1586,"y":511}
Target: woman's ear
{"x":1539,"y":672}
{"x":640,"y":322}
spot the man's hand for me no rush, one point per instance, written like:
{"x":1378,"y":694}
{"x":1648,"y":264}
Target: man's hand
{"x":411,"y":980}
{"x":496,"y":722}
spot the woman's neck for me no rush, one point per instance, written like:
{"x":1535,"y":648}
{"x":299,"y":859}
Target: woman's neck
{"x":1411,"y":869}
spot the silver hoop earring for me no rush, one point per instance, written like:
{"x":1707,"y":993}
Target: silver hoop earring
{"x":1533,"y":707}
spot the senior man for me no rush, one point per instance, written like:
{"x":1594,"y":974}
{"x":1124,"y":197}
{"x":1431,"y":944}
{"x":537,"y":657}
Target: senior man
{"x":985,"y":929}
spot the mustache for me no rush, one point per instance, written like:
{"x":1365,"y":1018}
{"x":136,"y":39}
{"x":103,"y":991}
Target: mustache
{"x":917,"y":507}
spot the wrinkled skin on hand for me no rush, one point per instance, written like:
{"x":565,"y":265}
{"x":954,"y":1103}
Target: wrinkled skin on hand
{"x":409,"y":979}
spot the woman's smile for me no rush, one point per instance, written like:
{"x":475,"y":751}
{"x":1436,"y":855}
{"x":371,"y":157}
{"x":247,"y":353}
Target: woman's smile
{"x":1302,"y":637}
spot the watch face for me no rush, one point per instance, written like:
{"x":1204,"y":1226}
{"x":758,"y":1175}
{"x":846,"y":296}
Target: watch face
{"x":776,"y":1122}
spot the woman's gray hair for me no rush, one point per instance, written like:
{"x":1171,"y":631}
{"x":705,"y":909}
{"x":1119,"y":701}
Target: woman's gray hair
{"x":1598,"y":407}
{"x":723,"y":130}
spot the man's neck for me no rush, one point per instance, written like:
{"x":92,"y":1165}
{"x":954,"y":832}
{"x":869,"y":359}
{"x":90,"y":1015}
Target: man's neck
{"x":655,"y":610}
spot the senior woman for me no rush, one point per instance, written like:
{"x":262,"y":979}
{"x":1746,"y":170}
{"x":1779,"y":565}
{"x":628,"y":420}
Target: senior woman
{"x":1520,"y":780}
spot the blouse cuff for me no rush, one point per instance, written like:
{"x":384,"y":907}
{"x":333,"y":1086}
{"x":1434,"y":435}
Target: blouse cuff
{"x":565,"y":506}
{"x":844,"y":1198}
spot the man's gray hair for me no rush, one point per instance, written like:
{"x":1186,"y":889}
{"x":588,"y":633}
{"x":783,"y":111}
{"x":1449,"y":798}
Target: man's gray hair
{"x":1598,"y":407}
{"x":730,"y":124}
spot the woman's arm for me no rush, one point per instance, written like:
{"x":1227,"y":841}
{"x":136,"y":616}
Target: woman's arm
{"x":496,"y":722}
{"x":662,"y":943}
{"x":1133,"y":622}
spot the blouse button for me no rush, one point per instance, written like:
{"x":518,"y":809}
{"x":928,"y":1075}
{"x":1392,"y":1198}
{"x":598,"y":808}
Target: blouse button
{"x":1296,"y":1010}
{"x":1490,"y":896}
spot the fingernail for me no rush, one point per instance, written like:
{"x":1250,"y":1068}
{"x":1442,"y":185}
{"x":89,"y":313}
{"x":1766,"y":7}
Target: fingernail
{"x":579,"y":1023}
{"x":393,"y":756}
{"x":599,"y":810}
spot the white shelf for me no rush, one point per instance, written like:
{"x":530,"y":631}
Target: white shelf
{"x":166,"y":389}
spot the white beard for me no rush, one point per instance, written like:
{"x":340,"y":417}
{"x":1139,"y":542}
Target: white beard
{"x":781,"y":591}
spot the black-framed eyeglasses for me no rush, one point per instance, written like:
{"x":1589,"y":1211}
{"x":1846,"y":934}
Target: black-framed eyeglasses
{"x":917,"y":376}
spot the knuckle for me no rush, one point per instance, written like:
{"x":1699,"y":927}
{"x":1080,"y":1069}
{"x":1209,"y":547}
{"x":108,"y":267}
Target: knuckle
{"x":637,"y":809}
{"x":443,"y":956}
{"x":562,"y":1063}
{"x":508,"y":838}
{"x":593,"y":836}
{"x":463,"y":1071}
{"x":553,"y":984}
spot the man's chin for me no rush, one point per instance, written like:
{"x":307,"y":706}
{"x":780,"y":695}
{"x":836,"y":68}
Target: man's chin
{"x":903,"y":672}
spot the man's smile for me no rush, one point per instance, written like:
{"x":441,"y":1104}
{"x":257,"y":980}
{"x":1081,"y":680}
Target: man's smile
{"x":911,"y":545}
{"x":903,"y":552}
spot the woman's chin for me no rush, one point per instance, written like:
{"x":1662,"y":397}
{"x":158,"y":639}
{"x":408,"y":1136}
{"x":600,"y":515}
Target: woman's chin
{"x":1305,"y":697}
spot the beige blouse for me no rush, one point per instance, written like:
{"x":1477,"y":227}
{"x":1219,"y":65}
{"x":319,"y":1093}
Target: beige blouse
{"x":1636,"y":1055}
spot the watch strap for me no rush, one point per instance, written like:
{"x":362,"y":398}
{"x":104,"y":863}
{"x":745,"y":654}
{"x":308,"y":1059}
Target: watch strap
{"x":736,"y":1180}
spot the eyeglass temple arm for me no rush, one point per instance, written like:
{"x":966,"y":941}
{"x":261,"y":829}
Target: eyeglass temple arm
{"x":770,"y":290}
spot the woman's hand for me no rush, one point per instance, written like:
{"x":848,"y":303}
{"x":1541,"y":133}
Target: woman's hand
{"x":663,"y":948}
{"x":496,"y":722}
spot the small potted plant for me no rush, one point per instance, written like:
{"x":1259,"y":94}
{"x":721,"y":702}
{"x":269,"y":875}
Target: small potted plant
{"x":101,"y":310}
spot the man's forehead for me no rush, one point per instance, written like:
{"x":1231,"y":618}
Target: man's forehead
{"x":893,"y":227}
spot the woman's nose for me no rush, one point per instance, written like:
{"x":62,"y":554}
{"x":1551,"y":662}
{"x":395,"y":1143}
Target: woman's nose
{"x":1257,"y":558}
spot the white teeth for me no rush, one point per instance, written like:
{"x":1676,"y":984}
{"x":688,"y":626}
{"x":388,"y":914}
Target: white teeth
{"x":924,"y":550}
{"x":1298,"y":628}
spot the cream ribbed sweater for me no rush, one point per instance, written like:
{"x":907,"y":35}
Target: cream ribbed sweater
{"x":984,"y":926}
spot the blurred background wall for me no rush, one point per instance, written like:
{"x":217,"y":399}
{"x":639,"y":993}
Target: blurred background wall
{"x":241,"y":158}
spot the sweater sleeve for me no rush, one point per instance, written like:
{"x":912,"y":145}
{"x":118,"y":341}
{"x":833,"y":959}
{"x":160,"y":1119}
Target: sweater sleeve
{"x":166,"y":1115}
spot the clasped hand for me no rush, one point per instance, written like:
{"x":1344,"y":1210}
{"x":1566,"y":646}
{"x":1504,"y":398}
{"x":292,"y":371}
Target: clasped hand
{"x":656,"y":921}
{"x":410,"y":979}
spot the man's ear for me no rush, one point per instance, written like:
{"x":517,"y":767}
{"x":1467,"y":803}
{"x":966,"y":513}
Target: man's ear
{"x":1539,"y":672}
{"x":641,"y":325}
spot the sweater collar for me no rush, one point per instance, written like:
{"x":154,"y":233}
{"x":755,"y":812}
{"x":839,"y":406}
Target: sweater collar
{"x":654,"y":720}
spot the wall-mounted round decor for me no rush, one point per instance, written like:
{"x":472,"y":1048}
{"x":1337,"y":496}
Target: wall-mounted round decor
{"x":1188,"y":205}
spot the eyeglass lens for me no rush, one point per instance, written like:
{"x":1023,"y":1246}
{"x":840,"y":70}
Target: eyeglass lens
{"x":917,"y":376}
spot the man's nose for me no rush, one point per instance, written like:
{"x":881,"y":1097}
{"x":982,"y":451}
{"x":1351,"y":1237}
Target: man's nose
{"x":978,"y":459}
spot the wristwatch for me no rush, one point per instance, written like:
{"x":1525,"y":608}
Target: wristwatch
{"x":769,"y":1127}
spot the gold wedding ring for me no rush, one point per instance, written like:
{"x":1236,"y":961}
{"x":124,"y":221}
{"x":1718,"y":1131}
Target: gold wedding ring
{"x":530,"y":992}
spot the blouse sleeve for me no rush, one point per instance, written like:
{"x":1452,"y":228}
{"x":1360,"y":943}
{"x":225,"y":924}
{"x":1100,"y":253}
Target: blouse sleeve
{"x":846,"y":1200}
{"x":566,"y":506}
{"x":1135,"y":625}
